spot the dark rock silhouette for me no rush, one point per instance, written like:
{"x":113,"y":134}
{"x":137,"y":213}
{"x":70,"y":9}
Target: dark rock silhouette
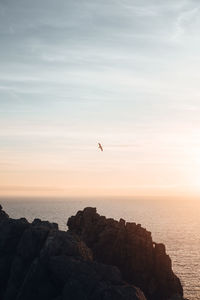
{"x":38,"y":261}
{"x":3,"y":214}
{"x":129,"y":247}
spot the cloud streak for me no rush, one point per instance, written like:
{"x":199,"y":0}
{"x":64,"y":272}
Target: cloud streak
{"x":73,"y":73}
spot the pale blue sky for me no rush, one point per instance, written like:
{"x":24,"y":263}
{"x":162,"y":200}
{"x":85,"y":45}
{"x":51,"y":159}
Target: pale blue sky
{"x":125,"y":73}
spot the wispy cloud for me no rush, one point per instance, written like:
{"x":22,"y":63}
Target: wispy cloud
{"x":29,"y":189}
{"x":73,"y":73}
{"x":184,"y":18}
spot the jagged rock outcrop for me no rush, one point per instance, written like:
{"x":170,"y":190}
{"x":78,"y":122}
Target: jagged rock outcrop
{"x":129,"y":247}
{"x":3,"y":214}
{"x":38,"y":261}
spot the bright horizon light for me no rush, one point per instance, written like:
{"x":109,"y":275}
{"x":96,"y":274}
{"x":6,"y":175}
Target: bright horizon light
{"x":122,"y":73}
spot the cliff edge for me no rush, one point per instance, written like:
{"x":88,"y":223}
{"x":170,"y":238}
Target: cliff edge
{"x":40,"y":262}
{"x":129,"y":247}
{"x":96,"y":259}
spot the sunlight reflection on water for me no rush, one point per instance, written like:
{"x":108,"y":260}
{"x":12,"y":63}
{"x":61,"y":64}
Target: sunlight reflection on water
{"x":174,"y":223}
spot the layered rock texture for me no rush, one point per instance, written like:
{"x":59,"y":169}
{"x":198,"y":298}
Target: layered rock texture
{"x":129,"y":247}
{"x":40,"y":262}
{"x":96,"y":259}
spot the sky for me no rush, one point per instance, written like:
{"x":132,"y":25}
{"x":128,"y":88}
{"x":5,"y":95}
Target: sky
{"x":121,"y":72}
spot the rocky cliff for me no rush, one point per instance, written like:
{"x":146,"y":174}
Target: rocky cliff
{"x":38,"y":261}
{"x":129,"y":247}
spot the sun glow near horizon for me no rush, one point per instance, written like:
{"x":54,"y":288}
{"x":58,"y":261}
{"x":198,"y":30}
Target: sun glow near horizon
{"x":126,"y":171}
{"x":125,"y":74}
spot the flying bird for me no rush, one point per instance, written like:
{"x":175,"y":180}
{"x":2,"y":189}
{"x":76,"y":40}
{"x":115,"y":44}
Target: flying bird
{"x":100,"y":147}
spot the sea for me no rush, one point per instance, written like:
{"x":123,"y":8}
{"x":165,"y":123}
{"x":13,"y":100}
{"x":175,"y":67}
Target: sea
{"x":174,"y":223}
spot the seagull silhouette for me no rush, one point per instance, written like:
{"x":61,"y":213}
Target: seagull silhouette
{"x":100,"y":147}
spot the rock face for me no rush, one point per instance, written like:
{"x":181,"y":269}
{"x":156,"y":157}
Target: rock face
{"x":129,"y":247}
{"x":38,"y":261}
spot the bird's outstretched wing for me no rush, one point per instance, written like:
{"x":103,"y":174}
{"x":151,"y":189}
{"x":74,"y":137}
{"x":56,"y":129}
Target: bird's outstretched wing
{"x":100,"y":147}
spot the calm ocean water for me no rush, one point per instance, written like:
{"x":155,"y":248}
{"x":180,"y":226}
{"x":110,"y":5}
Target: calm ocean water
{"x":174,"y":223}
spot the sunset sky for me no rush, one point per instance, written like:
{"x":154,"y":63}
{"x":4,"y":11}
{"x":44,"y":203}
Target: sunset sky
{"x":125,"y":73}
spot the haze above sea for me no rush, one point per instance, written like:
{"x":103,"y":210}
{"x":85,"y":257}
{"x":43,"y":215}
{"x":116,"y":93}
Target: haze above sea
{"x":174,"y":223}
